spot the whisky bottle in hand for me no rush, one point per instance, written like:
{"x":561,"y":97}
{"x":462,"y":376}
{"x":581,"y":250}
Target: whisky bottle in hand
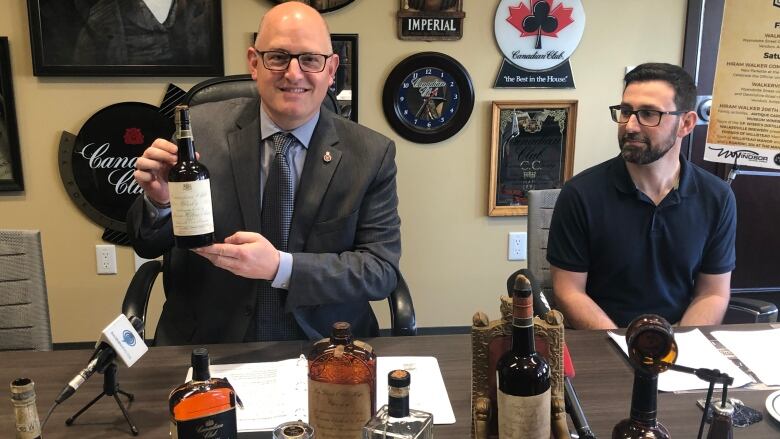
{"x":342,"y":385}
{"x":203,"y":407}
{"x":396,"y":420}
{"x":190,"y":190}
{"x":523,"y":376}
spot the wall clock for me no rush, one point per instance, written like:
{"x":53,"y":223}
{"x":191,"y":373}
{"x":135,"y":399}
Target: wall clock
{"x":428,"y":97}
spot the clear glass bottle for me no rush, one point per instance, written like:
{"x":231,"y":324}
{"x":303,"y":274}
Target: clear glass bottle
{"x":523,"y":375}
{"x":28,"y":425}
{"x":342,"y":385}
{"x":190,"y":190}
{"x":203,"y":407}
{"x":396,"y":420}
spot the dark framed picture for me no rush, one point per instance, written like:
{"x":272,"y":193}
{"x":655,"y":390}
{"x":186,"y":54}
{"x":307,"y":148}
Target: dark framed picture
{"x":10,"y":159}
{"x":322,"y":5}
{"x":346,"y":84}
{"x":532,"y":147}
{"x":126,"y":38}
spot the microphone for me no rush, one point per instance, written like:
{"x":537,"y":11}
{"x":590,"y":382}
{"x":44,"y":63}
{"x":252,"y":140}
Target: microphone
{"x":107,"y":350}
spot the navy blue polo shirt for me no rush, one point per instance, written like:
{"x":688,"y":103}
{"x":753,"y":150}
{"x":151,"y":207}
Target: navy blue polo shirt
{"x":642,"y":258}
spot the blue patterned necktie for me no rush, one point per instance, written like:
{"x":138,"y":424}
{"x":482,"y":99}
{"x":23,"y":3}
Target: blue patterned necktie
{"x":272,"y":323}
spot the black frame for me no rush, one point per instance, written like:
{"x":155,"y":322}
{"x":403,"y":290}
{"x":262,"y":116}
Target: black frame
{"x":393,"y":85}
{"x":8,"y":119}
{"x":55,"y":27}
{"x":321,"y":9}
{"x":350,"y":72}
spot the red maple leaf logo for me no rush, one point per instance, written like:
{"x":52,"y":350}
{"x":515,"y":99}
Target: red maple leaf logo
{"x":518,"y":13}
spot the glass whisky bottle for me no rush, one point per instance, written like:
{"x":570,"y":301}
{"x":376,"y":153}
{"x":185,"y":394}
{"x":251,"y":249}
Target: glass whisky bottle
{"x":203,"y":407}
{"x":396,"y":420}
{"x":342,"y":385}
{"x":523,"y":375}
{"x":190,"y":190}
{"x":28,"y":425}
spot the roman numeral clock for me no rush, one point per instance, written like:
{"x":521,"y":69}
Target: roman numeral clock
{"x":428,"y":97}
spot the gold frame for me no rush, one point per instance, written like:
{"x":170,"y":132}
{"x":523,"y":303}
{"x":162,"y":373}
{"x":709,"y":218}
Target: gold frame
{"x":566,"y":156}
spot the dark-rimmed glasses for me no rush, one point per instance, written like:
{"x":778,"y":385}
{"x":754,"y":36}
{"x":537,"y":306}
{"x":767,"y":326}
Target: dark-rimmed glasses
{"x":279,"y":61}
{"x":649,"y":118}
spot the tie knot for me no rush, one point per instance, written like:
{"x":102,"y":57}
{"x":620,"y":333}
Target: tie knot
{"x":282,"y":142}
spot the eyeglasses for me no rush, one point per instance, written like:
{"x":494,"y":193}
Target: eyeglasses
{"x":648,"y":118}
{"x":278,"y":61}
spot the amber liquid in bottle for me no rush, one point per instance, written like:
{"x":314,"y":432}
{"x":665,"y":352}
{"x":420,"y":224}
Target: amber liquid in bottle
{"x":523,"y":376}
{"x":651,"y":349}
{"x":203,"y":407}
{"x":190,"y":190}
{"x":342,"y":385}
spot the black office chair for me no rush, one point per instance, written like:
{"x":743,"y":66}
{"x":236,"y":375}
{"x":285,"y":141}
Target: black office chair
{"x":136,"y":302}
{"x":540,"y":208}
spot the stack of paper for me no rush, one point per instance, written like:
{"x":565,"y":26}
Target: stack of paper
{"x":758,"y":350}
{"x":695,"y":351}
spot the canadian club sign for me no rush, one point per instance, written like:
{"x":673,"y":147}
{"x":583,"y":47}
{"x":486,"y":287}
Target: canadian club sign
{"x":97,"y":165}
{"x":537,"y":37}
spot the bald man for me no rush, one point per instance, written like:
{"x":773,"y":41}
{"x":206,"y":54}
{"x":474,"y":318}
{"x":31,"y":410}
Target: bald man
{"x":344,"y":240}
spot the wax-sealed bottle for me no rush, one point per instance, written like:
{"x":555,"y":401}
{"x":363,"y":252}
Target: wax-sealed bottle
{"x":204,"y":407}
{"x":523,"y":375}
{"x":28,"y":425}
{"x":651,"y":350}
{"x":396,"y":420}
{"x":190,"y":190}
{"x":342,"y":385}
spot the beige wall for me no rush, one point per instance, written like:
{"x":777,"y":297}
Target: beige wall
{"x":454,"y":255}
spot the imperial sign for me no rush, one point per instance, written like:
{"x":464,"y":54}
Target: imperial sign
{"x":538,"y":36}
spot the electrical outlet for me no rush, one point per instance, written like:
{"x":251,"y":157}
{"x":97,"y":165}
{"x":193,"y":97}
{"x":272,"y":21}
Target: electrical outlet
{"x":105,"y":255}
{"x":518,"y":246}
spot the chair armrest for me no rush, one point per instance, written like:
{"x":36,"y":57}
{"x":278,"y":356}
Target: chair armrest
{"x":745,"y":310}
{"x":137,"y":296}
{"x":402,"y":319}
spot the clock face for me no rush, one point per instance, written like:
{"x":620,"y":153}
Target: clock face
{"x":428,"y":97}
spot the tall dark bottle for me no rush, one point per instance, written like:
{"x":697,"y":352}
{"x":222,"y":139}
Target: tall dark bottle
{"x":651,"y":350}
{"x":190,"y":190}
{"x":523,"y":375}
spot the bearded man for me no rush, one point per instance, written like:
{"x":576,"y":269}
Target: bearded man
{"x":647,"y":231}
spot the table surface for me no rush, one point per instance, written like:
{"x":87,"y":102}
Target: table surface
{"x":603,"y":383}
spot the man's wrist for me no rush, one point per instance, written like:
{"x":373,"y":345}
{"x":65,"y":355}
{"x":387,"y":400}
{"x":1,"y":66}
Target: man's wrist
{"x":166,"y":205}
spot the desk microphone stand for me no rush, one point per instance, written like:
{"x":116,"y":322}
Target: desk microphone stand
{"x":110,"y":388}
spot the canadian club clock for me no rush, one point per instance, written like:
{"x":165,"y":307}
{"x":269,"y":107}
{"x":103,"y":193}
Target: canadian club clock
{"x":428,"y":97}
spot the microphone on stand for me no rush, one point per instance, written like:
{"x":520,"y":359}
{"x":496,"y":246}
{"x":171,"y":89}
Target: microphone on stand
{"x":106,"y":352}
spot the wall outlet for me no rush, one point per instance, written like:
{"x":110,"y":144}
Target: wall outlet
{"x":105,"y":255}
{"x":518,"y":246}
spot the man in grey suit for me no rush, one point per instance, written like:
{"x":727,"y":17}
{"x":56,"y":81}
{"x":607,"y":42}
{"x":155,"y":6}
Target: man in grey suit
{"x":344,"y":238}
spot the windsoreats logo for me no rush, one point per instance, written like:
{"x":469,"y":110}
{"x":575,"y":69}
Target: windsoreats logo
{"x":539,"y":34}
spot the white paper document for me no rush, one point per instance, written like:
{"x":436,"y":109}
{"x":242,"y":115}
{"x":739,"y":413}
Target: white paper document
{"x":697,"y":352}
{"x":277,"y":392}
{"x":758,"y":350}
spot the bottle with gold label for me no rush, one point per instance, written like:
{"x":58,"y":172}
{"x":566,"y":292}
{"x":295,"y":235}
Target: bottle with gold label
{"x":523,"y":375}
{"x":342,"y":385}
{"x":204,"y":407}
{"x":28,"y":425}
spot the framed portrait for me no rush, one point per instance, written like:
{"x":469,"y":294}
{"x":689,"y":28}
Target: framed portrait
{"x":531,"y":147}
{"x":126,"y":38}
{"x":10,"y":159}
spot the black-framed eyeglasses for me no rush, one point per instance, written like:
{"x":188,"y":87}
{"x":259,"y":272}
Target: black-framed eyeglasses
{"x":279,"y":61}
{"x":649,"y":118}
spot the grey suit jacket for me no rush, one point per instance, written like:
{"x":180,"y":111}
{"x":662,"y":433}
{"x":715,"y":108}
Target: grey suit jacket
{"x":344,"y":237}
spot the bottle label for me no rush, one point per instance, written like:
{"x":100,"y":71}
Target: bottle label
{"x":27,"y":424}
{"x":219,"y":426}
{"x":521,"y":417}
{"x":339,"y":411}
{"x":191,"y":207}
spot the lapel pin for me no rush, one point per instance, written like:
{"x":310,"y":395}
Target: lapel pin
{"x":327,"y":157}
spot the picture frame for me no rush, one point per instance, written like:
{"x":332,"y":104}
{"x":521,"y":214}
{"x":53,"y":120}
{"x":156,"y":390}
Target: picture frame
{"x":10,"y":158}
{"x":532,"y":147}
{"x":121,"y":38}
{"x":345,"y":84}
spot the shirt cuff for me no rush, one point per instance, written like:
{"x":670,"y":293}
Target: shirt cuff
{"x":282,"y":279}
{"x":153,"y":213}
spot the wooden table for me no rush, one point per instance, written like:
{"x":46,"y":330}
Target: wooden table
{"x":603,"y":383}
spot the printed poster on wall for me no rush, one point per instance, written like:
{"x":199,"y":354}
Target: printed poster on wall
{"x":745,"y":116}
